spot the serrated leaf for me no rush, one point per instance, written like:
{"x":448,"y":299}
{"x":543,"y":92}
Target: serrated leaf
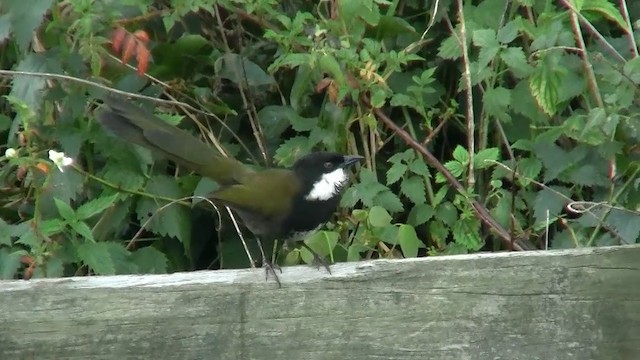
{"x":544,"y":84}
{"x":461,"y":154}
{"x":484,"y":157}
{"x":438,"y":232}
{"x":554,"y":158}
{"x":6,"y":232}
{"x":95,"y":206}
{"x":508,"y":32}
{"x":25,"y":17}
{"x":379,"y":217}
{"x":173,"y":220}
{"x":497,"y":101}
{"x":150,"y":260}
{"x":419,"y":167}
{"x":322,"y":242}
{"x":414,"y":188}
{"x":420,"y":214}
{"x":354,"y":251}
{"x":65,"y":210}
{"x":396,"y":172}
{"x":97,"y":257}
{"x":466,"y":232}
{"x":292,"y":149}
{"x":366,"y":190}
{"x":517,"y":62}
{"x":626,"y":224}
{"x":408,"y":240}
{"x":389,"y":201}
{"x":447,"y":213}
{"x":450,"y":48}
{"x":82,"y":229}
{"x":121,"y":258}
{"x":549,"y":199}
{"x":242,"y":71}
{"x":9,"y":262}
{"x":529,"y":169}
{"x":205,"y":187}
{"x":455,"y":168}
{"x":607,"y":9}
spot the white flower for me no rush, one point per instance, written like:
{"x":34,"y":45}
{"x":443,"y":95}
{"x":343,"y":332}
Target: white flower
{"x":10,"y":153}
{"x":60,"y":159}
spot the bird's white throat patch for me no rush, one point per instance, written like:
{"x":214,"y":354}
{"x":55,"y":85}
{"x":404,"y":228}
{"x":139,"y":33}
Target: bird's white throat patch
{"x":329,"y":185}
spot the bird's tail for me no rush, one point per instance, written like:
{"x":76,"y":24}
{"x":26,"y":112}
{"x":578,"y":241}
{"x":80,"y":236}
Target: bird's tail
{"x":133,"y":124}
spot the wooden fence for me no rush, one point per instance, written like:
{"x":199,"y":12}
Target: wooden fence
{"x":577,"y":304}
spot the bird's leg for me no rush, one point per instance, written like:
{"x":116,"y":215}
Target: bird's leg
{"x":268,"y":266}
{"x":317,"y":259}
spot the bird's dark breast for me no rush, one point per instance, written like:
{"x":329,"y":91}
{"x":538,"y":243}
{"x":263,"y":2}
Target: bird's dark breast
{"x":308,"y":215}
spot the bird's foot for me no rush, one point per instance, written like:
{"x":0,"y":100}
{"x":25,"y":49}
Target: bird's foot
{"x":270,"y":268}
{"x":317,"y":259}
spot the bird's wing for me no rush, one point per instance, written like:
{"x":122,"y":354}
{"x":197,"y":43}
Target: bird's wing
{"x":268,"y":193}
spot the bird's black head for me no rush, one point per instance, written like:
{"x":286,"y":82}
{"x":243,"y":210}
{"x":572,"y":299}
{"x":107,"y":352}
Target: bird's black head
{"x":323,"y":174}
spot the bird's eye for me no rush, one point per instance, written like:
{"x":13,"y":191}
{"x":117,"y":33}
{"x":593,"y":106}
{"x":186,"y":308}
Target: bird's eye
{"x":328,"y":165}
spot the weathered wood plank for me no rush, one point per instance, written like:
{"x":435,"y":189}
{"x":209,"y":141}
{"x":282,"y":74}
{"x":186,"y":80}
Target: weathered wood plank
{"x":579,"y":304}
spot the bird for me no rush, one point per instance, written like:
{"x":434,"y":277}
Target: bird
{"x":273,"y":203}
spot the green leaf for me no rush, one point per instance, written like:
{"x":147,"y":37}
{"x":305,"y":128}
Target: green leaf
{"x":205,"y":187}
{"x":447,"y":213}
{"x":509,"y":32}
{"x":528,"y":168}
{"x":450,"y":48}
{"x":517,"y":62}
{"x":9,"y":263}
{"x":419,"y":167}
{"x":484,"y":157}
{"x":292,"y":149}
{"x":466,"y":232}
{"x":7,"y":232}
{"x":544,"y":84}
{"x":414,"y":188}
{"x":65,"y":210}
{"x":389,"y":201}
{"x":455,"y":168}
{"x":241,"y":71}
{"x":322,"y":242}
{"x":25,"y":17}
{"x":439,"y":232}
{"x":173,"y":220}
{"x":354,"y":252}
{"x":366,"y":190}
{"x":461,"y":154}
{"x":150,"y":260}
{"x":497,"y":101}
{"x":95,"y":207}
{"x":379,"y":217}
{"x":395,"y":172}
{"x":408,"y":240}
{"x":554,"y":158}
{"x":121,"y":258}
{"x":489,"y":46}
{"x":607,"y":9}
{"x":625,"y":223}
{"x":82,"y":229}
{"x":420,"y":214}
{"x":97,"y":257}
{"x":549,"y":199}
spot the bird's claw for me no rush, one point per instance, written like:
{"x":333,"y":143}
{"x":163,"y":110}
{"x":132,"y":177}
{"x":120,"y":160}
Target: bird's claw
{"x":270,"y":268}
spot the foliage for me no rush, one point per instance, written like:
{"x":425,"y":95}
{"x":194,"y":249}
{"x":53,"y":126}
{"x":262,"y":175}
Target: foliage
{"x":484,"y":127}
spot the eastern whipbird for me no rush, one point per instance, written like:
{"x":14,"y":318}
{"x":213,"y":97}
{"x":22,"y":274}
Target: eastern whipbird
{"x":285,"y":204}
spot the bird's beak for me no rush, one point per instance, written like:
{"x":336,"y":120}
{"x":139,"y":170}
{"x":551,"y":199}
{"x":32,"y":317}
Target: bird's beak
{"x":351,"y":159}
